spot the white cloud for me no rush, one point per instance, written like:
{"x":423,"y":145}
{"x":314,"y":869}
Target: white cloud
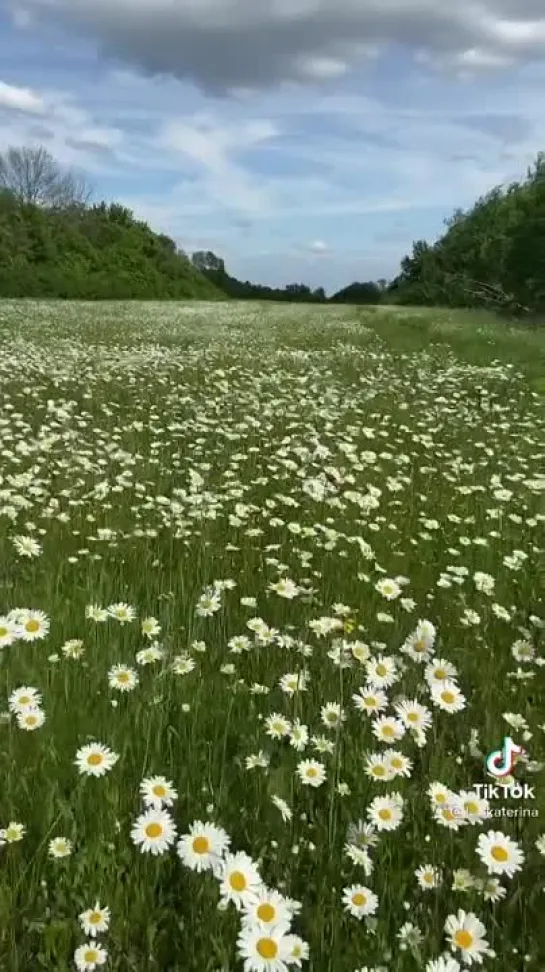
{"x":226,"y":44}
{"x":20,"y":99}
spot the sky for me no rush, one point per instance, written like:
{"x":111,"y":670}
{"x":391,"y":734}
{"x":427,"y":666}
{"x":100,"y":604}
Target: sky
{"x":301,"y":140}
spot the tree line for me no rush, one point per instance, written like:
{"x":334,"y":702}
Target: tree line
{"x":54,"y":242}
{"x":491,"y":255}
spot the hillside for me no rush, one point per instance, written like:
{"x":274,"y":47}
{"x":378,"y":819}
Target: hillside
{"x":96,"y":252}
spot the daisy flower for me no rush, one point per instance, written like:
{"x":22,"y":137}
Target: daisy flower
{"x":35,"y":626}
{"x":499,"y":853}
{"x":359,"y":901}
{"x":368,"y":699}
{"x":156,"y":791}
{"x":30,"y":718}
{"x":154,"y":831}
{"x":95,"y":759}
{"x":60,"y":847}
{"x":428,"y":877}
{"x":95,"y":920}
{"x":386,"y":813}
{"x":23,"y":698}
{"x":388,"y":729}
{"x":467,"y":935}
{"x":89,"y":956}
{"x":203,"y":847}
{"x":265,"y":908}
{"x":121,"y":612}
{"x":311,"y":772}
{"x":381,"y":671}
{"x":122,"y":678}
{"x":265,"y":950}
{"x":239,"y":879}
{"x":447,"y":696}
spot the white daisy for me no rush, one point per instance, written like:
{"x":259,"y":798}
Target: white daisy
{"x":359,"y":901}
{"x":467,"y":935}
{"x":499,"y":853}
{"x":203,"y":847}
{"x":95,"y":759}
{"x":154,"y":831}
{"x":95,"y":920}
{"x":239,"y":879}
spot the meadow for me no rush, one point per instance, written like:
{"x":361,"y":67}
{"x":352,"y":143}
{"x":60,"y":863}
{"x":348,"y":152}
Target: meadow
{"x":272,"y":590}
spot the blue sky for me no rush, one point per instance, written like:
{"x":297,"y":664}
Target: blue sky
{"x":301,"y":140}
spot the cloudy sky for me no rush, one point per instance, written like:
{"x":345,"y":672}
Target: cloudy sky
{"x":302,"y":140}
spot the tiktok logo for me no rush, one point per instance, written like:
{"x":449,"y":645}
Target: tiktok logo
{"x":501,"y":761}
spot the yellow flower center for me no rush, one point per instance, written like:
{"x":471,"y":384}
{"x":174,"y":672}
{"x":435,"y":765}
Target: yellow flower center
{"x":123,"y":677}
{"x":370,"y":701}
{"x":95,"y":759}
{"x":90,"y":955}
{"x":95,"y":917}
{"x":201,"y":845}
{"x":25,"y":700}
{"x":32,"y":625}
{"x":448,"y":697}
{"x":153,"y":831}
{"x":388,"y":731}
{"x":471,"y":807}
{"x":385,"y":813}
{"x":382,"y":671}
{"x":440,"y":798}
{"x":159,"y":790}
{"x":379,"y":770}
{"x":499,"y":854}
{"x":31,"y":720}
{"x":463,"y":938}
{"x":266,"y":912}
{"x":312,"y":773}
{"x":419,"y":645}
{"x":440,"y":674}
{"x":3,"y":632}
{"x":238,"y":881}
{"x":267,"y":948}
{"x":412,"y":717}
{"x":397,"y":763}
{"x":358,"y":899}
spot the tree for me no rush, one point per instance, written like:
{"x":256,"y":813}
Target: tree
{"x":207,"y":262}
{"x":34,"y":177}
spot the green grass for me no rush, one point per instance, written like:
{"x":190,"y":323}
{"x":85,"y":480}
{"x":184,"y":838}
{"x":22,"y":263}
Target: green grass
{"x":195,"y":434}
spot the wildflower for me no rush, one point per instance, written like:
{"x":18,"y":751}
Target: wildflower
{"x":447,"y":696}
{"x":203,"y":847}
{"x":87,"y":957}
{"x":386,"y":813}
{"x":468,"y":936}
{"x":95,"y":920}
{"x":239,"y":879}
{"x":24,"y":698}
{"x":27,"y":546}
{"x":311,"y":772}
{"x":95,"y":759}
{"x":60,"y":847}
{"x":154,"y":831}
{"x":121,"y":612}
{"x":157,"y":792}
{"x":122,"y":678}
{"x":499,"y":853}
{"x":30,"y":718}
{"x":35,"y":626}
{"x":359,"y":901}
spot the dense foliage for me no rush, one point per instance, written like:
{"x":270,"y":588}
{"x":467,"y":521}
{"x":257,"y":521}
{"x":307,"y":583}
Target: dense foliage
{"x":493,"y":255}
{"x":96,"y":252}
